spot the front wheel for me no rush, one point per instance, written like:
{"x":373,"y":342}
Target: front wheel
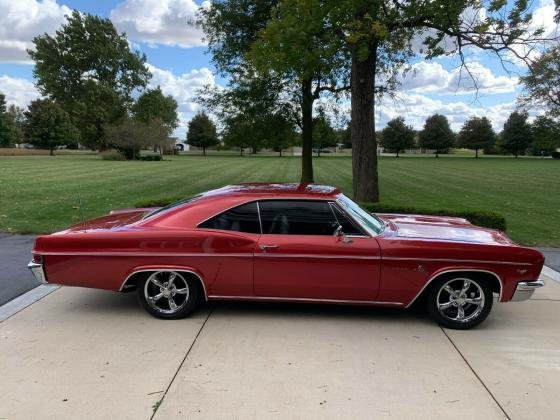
{"x":460,"y":302}
{"x":168,"y":294}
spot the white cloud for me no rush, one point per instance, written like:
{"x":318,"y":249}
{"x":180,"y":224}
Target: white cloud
{"x":21,"y":20}
{"x":183,"y":88}
{"x":19,"y":92}
{"x":430,"y":76}
{"x":167,"y":22}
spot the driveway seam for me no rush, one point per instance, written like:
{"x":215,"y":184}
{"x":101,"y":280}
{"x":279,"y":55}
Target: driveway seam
{"x":158,"y":404}
{"x":475,"y":374}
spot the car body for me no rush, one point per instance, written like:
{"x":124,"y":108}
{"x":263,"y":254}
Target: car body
{"x":290,"y":242}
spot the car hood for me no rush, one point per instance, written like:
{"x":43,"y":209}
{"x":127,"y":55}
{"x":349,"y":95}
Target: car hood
{"x":117,"y":219}
{"x":443,"y":228}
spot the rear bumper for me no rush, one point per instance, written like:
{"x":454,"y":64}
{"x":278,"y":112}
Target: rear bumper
{"x":38,"y":272}
{"x":525,"y":290}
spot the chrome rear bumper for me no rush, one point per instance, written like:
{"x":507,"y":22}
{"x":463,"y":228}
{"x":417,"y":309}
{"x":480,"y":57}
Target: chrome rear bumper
{"x":525,"y":290}
{"x":38,"y":272}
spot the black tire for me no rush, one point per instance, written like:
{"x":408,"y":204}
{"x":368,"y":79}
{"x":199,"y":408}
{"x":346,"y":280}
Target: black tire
{"x":175,"y":287}
{"x":460,"y":310}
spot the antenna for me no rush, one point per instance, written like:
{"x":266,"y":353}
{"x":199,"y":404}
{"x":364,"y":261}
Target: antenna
{"x":81,"y":209}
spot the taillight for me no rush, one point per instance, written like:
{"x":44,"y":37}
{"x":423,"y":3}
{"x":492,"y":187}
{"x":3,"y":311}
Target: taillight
{"x":38,"y":258}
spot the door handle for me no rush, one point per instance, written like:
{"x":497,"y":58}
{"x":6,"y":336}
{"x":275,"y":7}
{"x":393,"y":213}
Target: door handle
{"x":264,"y":247}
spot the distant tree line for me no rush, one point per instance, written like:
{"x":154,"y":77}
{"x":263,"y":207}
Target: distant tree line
{"x":518,"y":137}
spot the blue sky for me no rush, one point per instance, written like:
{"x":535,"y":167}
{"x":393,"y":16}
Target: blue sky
{"x":177,"y":59}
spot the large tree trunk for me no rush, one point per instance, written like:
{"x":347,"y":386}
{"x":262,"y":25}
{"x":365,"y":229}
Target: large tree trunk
{"x":306,"y":132}
{"x":362,"y":129}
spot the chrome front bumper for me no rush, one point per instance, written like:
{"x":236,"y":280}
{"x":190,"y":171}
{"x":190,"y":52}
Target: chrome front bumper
{"x":38,"y":272}
{"x":525,"y":290}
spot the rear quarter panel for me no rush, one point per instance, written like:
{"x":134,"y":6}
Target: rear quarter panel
{"x":104,"y":259}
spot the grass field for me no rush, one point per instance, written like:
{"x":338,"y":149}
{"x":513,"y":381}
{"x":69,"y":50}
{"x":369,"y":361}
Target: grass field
{"x":40,"y":193}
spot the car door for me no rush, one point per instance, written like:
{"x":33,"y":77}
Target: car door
{"x":299,"y":256}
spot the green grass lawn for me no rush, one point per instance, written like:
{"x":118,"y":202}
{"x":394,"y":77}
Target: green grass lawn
{"x":40,"y":193}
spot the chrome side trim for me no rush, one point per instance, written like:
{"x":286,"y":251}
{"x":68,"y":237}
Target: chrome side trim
{"x":525,"y":289}
{"x":338,"y":257}
{"x":145,"y":254}
{"x":455,"y":260}
{"x":146,"y":270}
{"x":282,"y":299}
{"x":456,"y":271}
{"x":38,"y":272}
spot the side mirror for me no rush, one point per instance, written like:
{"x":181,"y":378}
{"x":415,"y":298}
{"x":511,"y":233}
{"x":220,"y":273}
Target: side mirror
{"x":339,"y":233}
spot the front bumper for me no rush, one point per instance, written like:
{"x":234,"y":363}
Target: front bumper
{"x":38,"y":272}
{"x":525,"y":290}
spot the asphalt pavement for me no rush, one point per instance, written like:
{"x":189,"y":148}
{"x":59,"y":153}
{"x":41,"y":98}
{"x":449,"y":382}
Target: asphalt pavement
{"x":15,"y":278}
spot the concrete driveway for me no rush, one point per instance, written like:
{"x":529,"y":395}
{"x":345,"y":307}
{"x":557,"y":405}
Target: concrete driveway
{"x":81,"y":353}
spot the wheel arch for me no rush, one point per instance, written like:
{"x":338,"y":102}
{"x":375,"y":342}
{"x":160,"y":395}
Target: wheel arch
{"x":133,"y":276}
{"x":491,"y":276}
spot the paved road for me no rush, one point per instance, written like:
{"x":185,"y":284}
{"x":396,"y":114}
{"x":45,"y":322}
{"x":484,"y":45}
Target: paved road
{"x":15,"y":278}
{"x":552,"y":257}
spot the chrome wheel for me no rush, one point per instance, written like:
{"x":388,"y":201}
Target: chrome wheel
{"x":460,"y":300}
{"x":167,"y":292}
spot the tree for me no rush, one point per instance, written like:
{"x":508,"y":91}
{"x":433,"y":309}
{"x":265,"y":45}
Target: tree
{"x":154,"y":105}
{"x":10,"y":124}
{"x":397,"y":136}
{"x":379,"y":36}
{"x":437,"y":134}
{"x":296,"y":45}
{"x":202,"y":132}
{"x":48,"y":125}
{"x":542,"y":83}
{"x":477,"y":133}
{"x":88,"y":68}
{"x":324,"y":135}
{"x":545,"y":134}
{"x":516,"y":136}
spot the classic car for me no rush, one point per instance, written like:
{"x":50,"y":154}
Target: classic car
{"x":293,"y":243}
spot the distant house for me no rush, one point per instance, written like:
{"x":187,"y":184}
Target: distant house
{"x":182,"y":146}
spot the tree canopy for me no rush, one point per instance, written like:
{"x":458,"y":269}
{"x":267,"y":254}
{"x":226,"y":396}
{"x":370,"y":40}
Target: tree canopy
{"x":542,"y":83}
{"x":89,"y":70}
{"x":202,"y":132}
{"x":477,"y":133}
{"x":437,"y":135}
{"x":10,"y":131}
{"x":47,"y":125}
{"x":153,"y":105}
{"x":545,"y":134}
{"x":516,"y":136}
{"x":397,"y":136}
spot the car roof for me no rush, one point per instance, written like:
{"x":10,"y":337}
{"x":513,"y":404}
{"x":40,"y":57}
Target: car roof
{"x":275,"y":189}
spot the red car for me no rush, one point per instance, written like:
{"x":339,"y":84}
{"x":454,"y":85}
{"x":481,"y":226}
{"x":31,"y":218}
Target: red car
{"x":293,"y":243}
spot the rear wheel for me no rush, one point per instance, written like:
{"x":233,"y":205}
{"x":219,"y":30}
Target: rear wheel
{"x":168,"y":294}
{"x":460,"y":302}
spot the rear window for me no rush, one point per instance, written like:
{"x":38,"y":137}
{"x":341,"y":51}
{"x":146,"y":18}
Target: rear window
{"x":244,"y":218}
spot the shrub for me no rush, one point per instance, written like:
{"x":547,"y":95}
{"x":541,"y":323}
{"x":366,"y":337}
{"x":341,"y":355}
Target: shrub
{"x":555,"y":155}
{"x":151,"y":157}
{"x":476,"y":217}
{"x":157,"y":202}
{"x":111,"y":155}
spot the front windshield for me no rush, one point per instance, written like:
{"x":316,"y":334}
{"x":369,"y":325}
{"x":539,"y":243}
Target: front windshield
{"x":373,"y":224}
{"x":170,"y":206}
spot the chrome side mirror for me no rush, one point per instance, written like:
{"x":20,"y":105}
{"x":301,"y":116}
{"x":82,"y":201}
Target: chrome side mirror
{"x":339,"y":233}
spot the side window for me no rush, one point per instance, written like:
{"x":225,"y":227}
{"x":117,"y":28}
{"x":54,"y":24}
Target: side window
{"x":244,"y":218}
{"x":348,"y":226}
{"x":297,"y":217}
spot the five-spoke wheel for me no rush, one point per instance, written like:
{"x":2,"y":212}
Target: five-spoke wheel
{"x":459,"y":302}
{"x":168,"y":294}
